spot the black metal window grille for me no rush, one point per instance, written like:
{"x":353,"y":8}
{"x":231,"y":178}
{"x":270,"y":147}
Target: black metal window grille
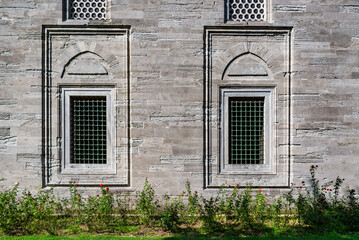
{"x":88,"y":130}
{"x":246,"y":130}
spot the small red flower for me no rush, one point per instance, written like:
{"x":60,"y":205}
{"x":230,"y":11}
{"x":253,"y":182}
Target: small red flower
{"x":297,"y":187}
{"x":327,"y":189}
{"x":88,"y":197}
{"x":300,"y":187}
{"x":101,"y":185}
{"x":260,"y":191}
{"x":330,"y":189}
{"x":97,"y":195}
{"x":76,"y":185}
{"x":183,"y":192}
{"x":107,"y":189}
{"x":229,"y":185}
{"x":74,"y":182}
{"x":195,"y":192}
{"x":237,"y":185}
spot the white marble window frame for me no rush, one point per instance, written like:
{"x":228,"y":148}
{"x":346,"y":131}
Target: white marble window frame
{"x":269,"y":164}
{"x":67,"y":167}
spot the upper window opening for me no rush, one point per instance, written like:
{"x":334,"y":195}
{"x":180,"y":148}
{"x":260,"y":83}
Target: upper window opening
{"x":88,"y":9}
{"x":247,"y":10}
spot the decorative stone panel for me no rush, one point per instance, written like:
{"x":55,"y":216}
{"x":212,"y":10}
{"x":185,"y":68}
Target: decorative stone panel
{"x":242,"y":61}
{"x":91,"y":61}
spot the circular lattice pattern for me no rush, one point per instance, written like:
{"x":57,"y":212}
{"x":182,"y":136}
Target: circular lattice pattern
{"x":88,"y":9}
{"x":247,"y":10}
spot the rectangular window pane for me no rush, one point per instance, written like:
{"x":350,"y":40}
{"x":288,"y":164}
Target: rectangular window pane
{"x":88,"y":130}
{"x":246,"y":130}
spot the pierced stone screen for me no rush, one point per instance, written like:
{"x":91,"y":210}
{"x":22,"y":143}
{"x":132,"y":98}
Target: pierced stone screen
{"x":246,"y":132}
{"x":247,"y":10}
{"x":88,"y":130}
{"x":87,"y":9}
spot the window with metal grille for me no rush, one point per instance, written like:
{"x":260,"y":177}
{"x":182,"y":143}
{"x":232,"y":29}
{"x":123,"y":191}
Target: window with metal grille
{"x":88,"y":130}
{"x":246,"y":134}
{"x":247,"y":10}
{"x":87,"y":9}
{"x":246,"y":130}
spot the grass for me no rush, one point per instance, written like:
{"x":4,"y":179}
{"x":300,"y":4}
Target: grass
{"x":327,"y":236}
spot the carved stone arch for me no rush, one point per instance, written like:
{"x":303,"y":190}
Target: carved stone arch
{"x":85,"y":63}
{"x":70,"y":52}
{"x":256,"y":49}
{"x":247,"y":65}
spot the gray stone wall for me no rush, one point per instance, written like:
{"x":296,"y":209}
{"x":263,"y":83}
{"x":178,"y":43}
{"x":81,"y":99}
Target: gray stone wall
{"x":166,"y":87}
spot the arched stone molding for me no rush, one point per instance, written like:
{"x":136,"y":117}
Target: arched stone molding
{"x":247,"y":65}
{"x":72,"y":51}
{"x":254,"y":50}
{"x":85,"y":63}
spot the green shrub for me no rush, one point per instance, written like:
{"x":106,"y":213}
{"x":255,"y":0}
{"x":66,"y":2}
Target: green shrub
{"x":261,"y":210}
{"x":276,"y":211}
{"x":146,"y":204}
{"x":98,"y":211}
{"x":319,"y":207}
{"x":242,"y":208}
{"x":10,"y":216}
{"x":191,"y":212}
{"x":170,"y":214}
{"x":227,"y":202}
{"x":209,"y":213}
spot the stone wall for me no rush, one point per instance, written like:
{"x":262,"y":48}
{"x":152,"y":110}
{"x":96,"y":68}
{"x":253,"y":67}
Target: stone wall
{"x":167,"y":72}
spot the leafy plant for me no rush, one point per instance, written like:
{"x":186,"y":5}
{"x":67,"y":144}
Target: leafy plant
{"x":243,"y":207}
{"x":170,"y":215}
{"x":319,"y":207}
{"x":261,"y":210}
{"x":10,"y":216}
{"x":191,"y":213}
{"x":227,"y":202}
{"x":209,"y":214}
{"x":146,"y":204}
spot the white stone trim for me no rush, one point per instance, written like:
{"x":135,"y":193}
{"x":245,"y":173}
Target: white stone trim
{"x":67,"y":167}
{"x":269,"y":165}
